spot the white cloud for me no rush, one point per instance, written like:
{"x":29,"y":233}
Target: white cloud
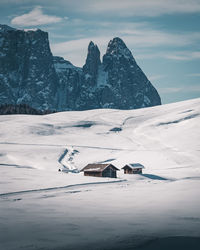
{"x":123,"y":8}
{"x":146,"y":36}
{"x":184,"y":55}
{"x":34,"y":18}
{"x":193,"y":88}
{"x":183,"y":89}
{"x":141,"y":7}
{"x":156,"y":77}
{"x":169,"y":90}
{"x":76,"y":50}
{"x":194,"y":75}
{"x":138,"y":38}
{"x":175,"y":55}
{"x":149,"y":38}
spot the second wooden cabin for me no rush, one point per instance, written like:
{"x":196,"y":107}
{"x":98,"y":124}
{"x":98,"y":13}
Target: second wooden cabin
{"x":133,"y":168}
{"x":100,"y":170}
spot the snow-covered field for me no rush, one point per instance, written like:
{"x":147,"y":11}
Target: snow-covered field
{"x":41,"y":208}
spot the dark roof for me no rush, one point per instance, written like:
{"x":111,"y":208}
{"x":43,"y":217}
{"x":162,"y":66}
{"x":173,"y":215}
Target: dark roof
{"x":97,"y":167}
{"x":134,"y":165}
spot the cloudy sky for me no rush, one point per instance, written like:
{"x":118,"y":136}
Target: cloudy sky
{"x":163,"y":35}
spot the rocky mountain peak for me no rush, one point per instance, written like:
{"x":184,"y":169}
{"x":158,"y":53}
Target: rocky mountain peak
{"x":93,"y":56}
{"x":130,"y":86}
{"x":117,"y":47}
{"x":117,"y":55}
{"x":91,"y":44}
{"x":116,"y":43}
{"x":92,"y":64}
{"x":4,"y":28}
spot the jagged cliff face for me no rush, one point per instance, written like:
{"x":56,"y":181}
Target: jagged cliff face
{"x":87,"y":98}
{"x":27,"y":73}
{"x":30,"y":74}
{"x":127,"y":87}
{"x":68,"y":88}
{"x":117,"y":82}
{"x":90,"y":69}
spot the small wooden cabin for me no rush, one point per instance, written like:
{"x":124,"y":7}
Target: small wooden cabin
{"x":133,"y":168}
{"x":100,"y":170}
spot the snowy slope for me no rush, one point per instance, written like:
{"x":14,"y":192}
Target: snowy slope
{"x":165,"y":139}
{"x":170,"y":132}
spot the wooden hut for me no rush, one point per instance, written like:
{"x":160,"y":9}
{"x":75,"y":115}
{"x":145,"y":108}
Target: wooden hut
{"x":100,"y":170}
{"x":133,"y":168}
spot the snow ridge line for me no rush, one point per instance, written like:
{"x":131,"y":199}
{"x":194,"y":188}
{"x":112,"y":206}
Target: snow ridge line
{"x":15,"y":165}
{"x":57,"y":188}
{"x":62,"y":145}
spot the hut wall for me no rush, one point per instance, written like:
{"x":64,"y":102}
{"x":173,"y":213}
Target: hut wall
{"x":137,"y":171}
{"x":127,"y":170}
{"x":96,"y":174}
{"x":109,"y":172}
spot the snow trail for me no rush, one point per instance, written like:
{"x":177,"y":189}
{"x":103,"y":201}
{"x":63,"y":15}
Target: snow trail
{"x":58,"y":188}
{"x":66,"y":160}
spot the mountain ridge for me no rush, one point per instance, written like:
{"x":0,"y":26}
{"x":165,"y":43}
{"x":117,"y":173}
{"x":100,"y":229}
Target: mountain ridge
{"x":30,"y":74}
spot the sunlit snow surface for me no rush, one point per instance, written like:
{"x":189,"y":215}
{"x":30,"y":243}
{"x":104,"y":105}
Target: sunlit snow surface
{"x":41,"y":208}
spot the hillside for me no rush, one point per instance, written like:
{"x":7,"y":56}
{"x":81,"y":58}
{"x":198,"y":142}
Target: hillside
{"x":38,"y":200}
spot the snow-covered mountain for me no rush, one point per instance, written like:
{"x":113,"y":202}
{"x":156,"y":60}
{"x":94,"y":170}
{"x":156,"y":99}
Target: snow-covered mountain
{"x":30,"y":74}
{"x":42,"y":208}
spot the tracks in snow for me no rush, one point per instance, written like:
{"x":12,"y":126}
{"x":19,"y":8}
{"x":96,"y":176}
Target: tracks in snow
{"x":56,"y":188}
{"x":64,"y":145}
{"x":90,"y":147}
{"x":66,"y":159}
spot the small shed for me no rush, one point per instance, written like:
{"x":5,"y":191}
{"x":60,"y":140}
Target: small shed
{"x":133,"y":168}
{"x":100,"y":170}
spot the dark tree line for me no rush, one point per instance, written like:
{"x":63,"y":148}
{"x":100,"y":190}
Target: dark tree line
{"x":8,"y":109}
